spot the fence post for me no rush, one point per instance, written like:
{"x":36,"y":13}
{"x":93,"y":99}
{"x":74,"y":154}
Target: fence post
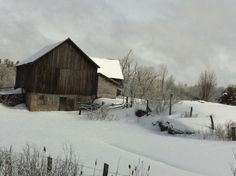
{"x":147,"y":107}
{"x":212,"y":122}
{"x":49,"y":164}
{"x":191,"y":111}
{"x":127,"y":102}
{"x":44,"y":149}
{"x":233,"y":131}
{"x":105,"y":169}
{"x":131,"y":102}
{"x":170,"y":105}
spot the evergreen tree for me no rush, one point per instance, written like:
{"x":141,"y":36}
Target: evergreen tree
{"x":228,"y":96}
{"x":6,"y":61}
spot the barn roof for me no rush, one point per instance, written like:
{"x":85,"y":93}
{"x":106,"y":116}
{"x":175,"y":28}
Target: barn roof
{"x":47,"y":49}
{"x":40,"y":53}
{"x":109,"y":67}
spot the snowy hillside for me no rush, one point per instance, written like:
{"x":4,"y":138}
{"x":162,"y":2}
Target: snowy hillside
{"x":127,"y":139}
{"x":201,"y":114}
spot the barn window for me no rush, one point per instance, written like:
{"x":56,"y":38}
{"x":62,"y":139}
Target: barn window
{"x":42,"y":100}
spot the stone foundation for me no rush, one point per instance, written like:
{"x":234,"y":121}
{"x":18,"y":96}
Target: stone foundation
{"x":53,"y":102}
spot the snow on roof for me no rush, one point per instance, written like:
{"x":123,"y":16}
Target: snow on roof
{"x":109,"y":67}
{"x":12,"y":91}
{"x":40,"y":53}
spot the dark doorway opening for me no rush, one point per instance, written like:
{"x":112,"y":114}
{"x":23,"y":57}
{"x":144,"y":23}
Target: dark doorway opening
{"x":66,"y":104}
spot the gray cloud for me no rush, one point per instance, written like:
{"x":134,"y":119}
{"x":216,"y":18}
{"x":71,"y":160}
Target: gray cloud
{"x":186,"y":35}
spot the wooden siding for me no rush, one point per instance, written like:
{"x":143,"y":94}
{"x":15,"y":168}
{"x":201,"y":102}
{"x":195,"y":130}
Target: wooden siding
{"x":64,"y":70}
{"x":106,"y":88}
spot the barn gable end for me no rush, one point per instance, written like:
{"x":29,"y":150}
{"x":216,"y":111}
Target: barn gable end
{"x":63,"y":70}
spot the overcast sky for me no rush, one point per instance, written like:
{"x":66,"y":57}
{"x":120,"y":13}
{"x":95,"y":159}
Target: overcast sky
{"x":187,"y":35}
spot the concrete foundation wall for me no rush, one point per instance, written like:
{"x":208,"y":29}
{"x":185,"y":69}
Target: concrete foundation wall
{"x":53,"y":102}
{"x":106,"y":89}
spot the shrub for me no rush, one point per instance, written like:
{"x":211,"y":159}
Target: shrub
{"x":221,"y":131}
{"x":32,"y":162}
{"x":228,"y":96}
{"x":140,"y":113}
{"x":100,"y":114}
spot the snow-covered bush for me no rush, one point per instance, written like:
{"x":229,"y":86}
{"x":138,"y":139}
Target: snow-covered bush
{"x":139,"y":169}
{"x":223,"y":131}
{"x":100,"y":114}
{"x":160,"y":105}
{"x":228,"y":96}
{"x":32,"y":162}
{"x":220,"y":132}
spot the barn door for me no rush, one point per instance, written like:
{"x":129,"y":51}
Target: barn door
{"x":66,"y":104}
{"x":70,"y":104}
{"x":62,"y":104}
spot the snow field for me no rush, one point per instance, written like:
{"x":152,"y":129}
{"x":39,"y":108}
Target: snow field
{"x":127,"y":139}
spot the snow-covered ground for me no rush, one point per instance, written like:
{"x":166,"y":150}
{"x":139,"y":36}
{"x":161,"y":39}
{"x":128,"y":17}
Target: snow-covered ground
{"x":127,"y":139}
{"x":200,"y":120}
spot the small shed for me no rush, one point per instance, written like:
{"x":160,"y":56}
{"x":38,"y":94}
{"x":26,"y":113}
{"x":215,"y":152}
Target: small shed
{"x":110,"y":77}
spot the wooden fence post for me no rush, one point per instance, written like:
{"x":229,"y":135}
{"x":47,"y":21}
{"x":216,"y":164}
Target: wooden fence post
{"x":49,"y":164}
{"x":131,"y":102}
{"x":105,"y":169}
{"x":191,"y":111}
{"x":147,"y":107}
{"x":170,"y":105}
{"x":233,"y":131}
{"x":212,"y":122}
{"x":127,"y":102}
{"x":44,"y":149}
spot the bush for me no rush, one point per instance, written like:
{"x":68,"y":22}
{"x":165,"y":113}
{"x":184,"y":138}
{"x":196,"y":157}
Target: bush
{"x":228,"y":96}
{"x":221,"y":131}
{"x":32,"y":162}
{"x":100,"y":114}
{"x":140,"y":113}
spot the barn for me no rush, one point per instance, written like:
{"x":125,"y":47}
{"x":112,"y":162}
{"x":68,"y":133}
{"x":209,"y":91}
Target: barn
{"x":60,"y":76}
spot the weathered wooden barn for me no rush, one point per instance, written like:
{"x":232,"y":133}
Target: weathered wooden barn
{"x":60,"y":76}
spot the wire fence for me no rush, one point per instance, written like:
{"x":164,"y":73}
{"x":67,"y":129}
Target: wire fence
{"x":39,"y":163}
{"x":87,"y":170}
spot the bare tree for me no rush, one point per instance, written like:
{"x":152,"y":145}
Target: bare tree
{"x":138,"y":80}
{"x":206,"y":85}
{"x":7,"y":76}
{"x":3,"y":74}
{"x":132,"y":82}
{"x":127,"y":66}
{"x":163,"y":71}
{"x":164,"y":86}
{"x":147,"y":82}
{"x":146,"y":78}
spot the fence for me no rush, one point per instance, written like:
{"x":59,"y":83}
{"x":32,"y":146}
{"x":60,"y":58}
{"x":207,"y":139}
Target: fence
{"x":32,"y":162}
{"x":86,"y":170}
